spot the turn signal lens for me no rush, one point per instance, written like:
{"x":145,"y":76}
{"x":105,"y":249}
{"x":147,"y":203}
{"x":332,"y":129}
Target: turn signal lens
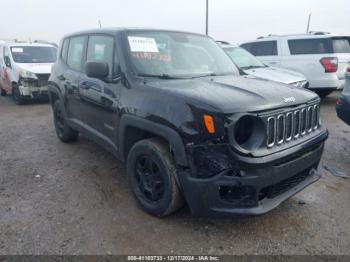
{"x":209,"y":124}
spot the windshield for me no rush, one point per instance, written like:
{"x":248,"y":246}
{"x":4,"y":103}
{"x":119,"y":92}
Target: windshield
{"x":243,"y":59}
{"x":174,"y":54}
{"x":34,"y":54}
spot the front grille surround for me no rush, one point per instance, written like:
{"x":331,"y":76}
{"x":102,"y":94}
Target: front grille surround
{"x":291,"y":124}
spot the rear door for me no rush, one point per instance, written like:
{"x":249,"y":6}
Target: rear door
{"x":72,"y":73}
{"x":267,"y":51}
{"x":304,"y":55}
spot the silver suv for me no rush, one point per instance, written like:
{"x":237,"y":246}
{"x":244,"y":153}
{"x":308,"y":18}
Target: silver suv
{"x":321,"y":57}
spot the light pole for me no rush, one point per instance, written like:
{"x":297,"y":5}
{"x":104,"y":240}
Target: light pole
{"x":207,"y":17}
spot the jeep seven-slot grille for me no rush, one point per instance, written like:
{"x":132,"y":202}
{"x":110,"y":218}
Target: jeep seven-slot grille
{"x":291,"y":125}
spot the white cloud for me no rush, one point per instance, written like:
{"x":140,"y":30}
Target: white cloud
{"x":233,"y":20}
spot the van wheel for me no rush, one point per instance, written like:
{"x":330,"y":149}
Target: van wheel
{"x":151,"y":174}
{"x":16,"y":95}
{"x":3,"y":92}
{"x":64,"y":132}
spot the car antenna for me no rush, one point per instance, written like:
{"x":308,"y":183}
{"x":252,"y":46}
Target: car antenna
{"x":308,"y":24}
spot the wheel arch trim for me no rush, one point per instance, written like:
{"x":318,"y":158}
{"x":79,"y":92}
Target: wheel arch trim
{"x":162,"y":131}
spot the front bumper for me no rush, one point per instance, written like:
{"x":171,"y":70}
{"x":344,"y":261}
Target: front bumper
{"x":33,"y":91}
{"x":258,"y":187}
{"x":343,"y":110}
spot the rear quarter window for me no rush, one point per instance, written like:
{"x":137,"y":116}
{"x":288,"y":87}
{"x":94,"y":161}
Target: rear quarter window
{"x":310,"y":46}
{"x":341,"y":45}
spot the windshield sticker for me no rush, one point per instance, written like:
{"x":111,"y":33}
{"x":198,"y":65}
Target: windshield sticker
{"x":152,"y":56}
{"x":17,"y":50}
{"x":142,"y":44}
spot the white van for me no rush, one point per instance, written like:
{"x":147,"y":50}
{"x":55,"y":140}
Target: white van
{"x":25,"y":69}
{"x":321,"y":57}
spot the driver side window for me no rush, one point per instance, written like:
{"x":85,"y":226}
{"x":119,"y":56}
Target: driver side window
{"x":101,"y":49}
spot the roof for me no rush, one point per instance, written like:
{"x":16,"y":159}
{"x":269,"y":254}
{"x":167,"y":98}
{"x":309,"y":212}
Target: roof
{"x":26,"y":44}
{"x":312,"y":34}
{"x":113,"y":30}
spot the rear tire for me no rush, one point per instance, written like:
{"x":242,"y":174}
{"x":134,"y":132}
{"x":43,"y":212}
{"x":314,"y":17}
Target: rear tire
{"x":3,"y":92}
{"x":64,"y":132}
{"x":324,"y":93}
{"x":16,"y":95}
{"x":151,"y":174}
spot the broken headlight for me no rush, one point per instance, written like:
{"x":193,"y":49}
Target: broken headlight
{"x":249,"y":132}
{"x":28,"y":74}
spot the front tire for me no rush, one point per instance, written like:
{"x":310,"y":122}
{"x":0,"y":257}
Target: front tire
{"x":18,"y":99}
{"x":151,"y":174}
{"x":64,"y":132}
{"x":3,"y":92}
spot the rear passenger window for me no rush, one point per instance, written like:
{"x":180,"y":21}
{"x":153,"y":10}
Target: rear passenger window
{"x":100,"y":48}
{"x":75,"y":53}
{"x":262,"y":48}
{"x":310,"y":46}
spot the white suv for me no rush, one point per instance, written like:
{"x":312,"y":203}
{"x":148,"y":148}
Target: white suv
{"x":321,"y":57}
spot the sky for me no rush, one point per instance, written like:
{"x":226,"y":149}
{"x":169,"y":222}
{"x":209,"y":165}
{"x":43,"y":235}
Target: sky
{"x":231,"y":20}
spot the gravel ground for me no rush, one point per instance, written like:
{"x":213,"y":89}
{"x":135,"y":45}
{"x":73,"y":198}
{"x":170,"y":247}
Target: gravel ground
{"x":60,"y":198}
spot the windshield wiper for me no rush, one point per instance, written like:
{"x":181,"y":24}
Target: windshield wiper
{"x":251,"y":67}
{"x":162,"y":76}
{"x":212,"y":74}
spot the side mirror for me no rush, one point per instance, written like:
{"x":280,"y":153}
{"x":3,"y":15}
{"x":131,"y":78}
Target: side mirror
{"x":99,"y":70}
{"x":7,"y":61}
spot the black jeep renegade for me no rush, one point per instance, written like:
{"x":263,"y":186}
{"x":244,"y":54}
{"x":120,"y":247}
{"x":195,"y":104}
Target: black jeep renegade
{"x":173,"y":107}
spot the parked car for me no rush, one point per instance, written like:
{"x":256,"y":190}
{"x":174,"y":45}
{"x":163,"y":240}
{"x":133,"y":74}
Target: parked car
{"x":343,"y":102}
{"x":321,"y":57}
{"x":250,"y":65}
{"x":172,"y":106}
{"x":25,"y":69}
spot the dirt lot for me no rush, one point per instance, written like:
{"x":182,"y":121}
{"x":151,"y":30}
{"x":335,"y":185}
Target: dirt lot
{"x":74,"y":199}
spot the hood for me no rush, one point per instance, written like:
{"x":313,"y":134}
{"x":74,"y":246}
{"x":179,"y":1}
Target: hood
{"x":276,"y":74}
{"x":233,"y":94}
{"x":36,"y":68}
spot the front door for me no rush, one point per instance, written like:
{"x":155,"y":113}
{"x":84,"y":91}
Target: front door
{"x":100,"y":97}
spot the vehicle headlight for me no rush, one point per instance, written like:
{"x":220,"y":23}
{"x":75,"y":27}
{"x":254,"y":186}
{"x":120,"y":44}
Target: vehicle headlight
{"x":300,"y":84}
{"x":249,"y":132}
{"x":28,"y":74}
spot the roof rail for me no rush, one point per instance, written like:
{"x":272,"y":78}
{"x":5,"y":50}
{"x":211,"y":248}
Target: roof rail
{"x":318,"y":33}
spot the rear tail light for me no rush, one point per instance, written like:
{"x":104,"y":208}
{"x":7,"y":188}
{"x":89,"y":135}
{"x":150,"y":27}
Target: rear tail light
{"x":330,"y":64}
{"x":348,"y":69}
{"x":339,"y":101}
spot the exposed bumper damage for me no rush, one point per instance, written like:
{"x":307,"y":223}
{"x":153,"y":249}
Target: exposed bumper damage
{"x":247,"y":185}
{"x":33,"y":87}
